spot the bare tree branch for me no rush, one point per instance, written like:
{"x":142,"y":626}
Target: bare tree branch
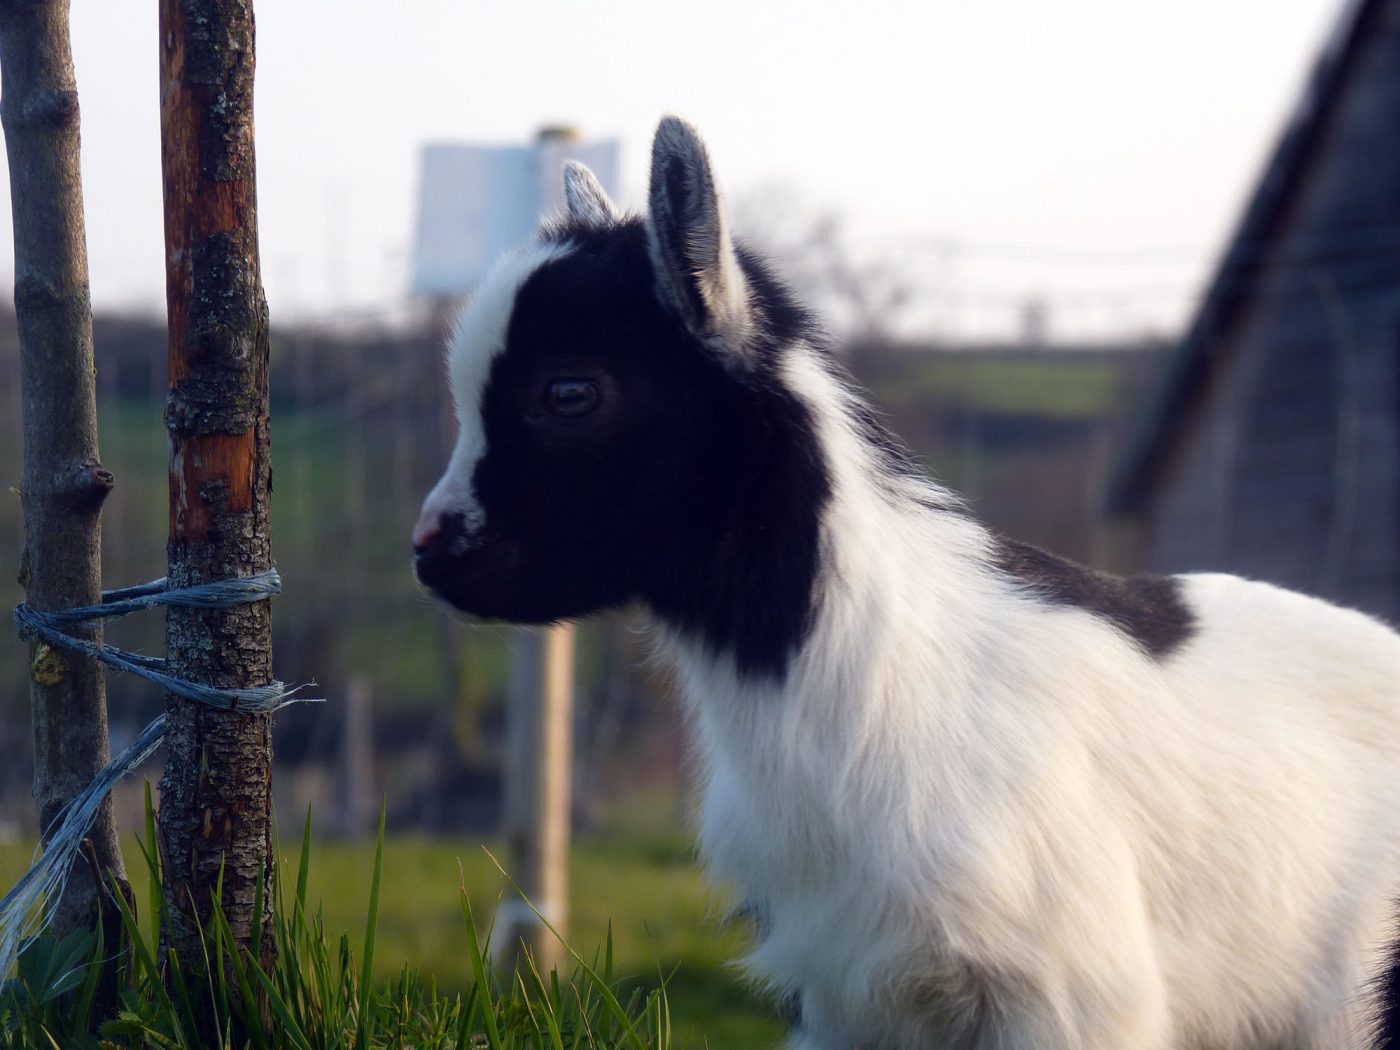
{"x":863,"y":300}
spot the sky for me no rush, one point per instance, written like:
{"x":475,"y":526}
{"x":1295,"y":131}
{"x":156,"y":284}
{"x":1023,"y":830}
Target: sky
{"x":1089,"y":154}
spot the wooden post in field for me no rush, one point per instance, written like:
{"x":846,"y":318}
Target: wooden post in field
{"x":216,"y":794}
{"x":356,"y":760}
{"x":538,"y":795}
{"x":64,"y":483}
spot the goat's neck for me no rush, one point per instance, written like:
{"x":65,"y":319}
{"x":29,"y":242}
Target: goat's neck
{"x":799,"y":767}
{"x":902,"y":571}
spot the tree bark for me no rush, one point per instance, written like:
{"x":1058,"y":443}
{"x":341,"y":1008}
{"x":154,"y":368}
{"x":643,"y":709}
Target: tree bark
{"x":64,"y":483}
{"x":216,"y":792}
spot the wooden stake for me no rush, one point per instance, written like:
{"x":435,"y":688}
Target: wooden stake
{"x":216,"y":796}
{"x":356,"y":759}
{"x":539,"y":795}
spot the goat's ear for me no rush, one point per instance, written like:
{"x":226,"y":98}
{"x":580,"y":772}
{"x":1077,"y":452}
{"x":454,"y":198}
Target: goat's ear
{"x":587,"y":200}
{"x":697,"y":268}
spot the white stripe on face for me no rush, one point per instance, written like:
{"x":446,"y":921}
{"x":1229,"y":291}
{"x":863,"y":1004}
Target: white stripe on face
{"x":479,"y":339}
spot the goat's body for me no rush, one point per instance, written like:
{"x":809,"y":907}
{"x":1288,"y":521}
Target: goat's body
{"x":1010,"y":827}
{"x":981,"y":798}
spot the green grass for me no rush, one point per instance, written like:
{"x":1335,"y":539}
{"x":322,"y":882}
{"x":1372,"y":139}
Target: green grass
{"x":310,"y":990}
{"x":640,"y":883}
{"x":1055,"y":387}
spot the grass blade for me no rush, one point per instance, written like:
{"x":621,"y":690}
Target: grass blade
{"x":259,"y":910}
{"x":290,"y":1029}
{"x":556,"y":1037}
{"x":244,"y":1002}
{"x":144,"y":955}
{"x":605,"y":992}
{"x":371,"y":927}
{"x":80,"y":1015}
{"x":483,"y":981}
{"x":155,"y":895}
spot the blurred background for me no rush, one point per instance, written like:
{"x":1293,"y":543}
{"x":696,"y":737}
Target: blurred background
{"x":1127,"y":275}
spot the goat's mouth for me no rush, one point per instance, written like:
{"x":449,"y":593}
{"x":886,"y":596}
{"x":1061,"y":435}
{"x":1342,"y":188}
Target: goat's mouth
{"x":438,"y":574}
{"x":484,"y":582}
{"x":509,"y":581}
{"x":451,"y":567}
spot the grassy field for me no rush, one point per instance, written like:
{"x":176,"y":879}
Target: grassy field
{"x":646,"y":884}
{"x":1056,"y":387}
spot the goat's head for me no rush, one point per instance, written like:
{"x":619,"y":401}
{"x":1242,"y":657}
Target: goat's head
{"x":618,"y":401}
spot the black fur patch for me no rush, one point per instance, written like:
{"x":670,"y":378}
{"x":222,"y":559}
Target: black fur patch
{"x":784,"y":319}
{"x":1388,"y":994}
{"x":693,"y":486}
{"x":790,"y":1011}
{"x":1151,"y":610}
{"x":785,"y":315}
{"x":753,"y":595}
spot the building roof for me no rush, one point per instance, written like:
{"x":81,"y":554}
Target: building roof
{"x":1151,"y":438}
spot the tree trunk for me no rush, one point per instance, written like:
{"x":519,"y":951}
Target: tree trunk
{"x":64,"y":483}
{"x":216,"y":793}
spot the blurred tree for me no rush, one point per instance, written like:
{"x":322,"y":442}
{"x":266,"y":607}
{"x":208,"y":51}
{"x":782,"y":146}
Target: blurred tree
{"x":863,"y":299}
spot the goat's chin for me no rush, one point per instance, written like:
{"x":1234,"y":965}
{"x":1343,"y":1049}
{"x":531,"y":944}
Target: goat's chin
{"x":481,"y":600}
{"x":484,"y":597}
{"x":475,"y":607}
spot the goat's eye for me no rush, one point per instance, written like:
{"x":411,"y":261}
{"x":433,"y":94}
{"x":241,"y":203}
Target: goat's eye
{"x":571,"y":397}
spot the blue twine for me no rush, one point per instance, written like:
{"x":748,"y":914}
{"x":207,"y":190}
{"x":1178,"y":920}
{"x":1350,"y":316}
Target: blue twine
{"x":221,"y":594}
{"x":26,"y":910}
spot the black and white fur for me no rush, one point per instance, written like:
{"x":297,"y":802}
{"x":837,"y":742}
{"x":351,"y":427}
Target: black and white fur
{"x":981,"y":797}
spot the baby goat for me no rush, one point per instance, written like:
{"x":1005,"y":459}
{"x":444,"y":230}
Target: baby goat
{"x":981,"y":797}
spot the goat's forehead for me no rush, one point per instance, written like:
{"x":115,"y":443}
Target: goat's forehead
{"x":481,"y":332}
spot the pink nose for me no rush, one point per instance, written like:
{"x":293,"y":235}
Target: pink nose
{"x":428,"y":529}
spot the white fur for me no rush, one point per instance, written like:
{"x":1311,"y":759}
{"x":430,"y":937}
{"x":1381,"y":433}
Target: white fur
{"x":961,"y":797}
{"x":585,"y":197}
{"x":479,"y":339}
